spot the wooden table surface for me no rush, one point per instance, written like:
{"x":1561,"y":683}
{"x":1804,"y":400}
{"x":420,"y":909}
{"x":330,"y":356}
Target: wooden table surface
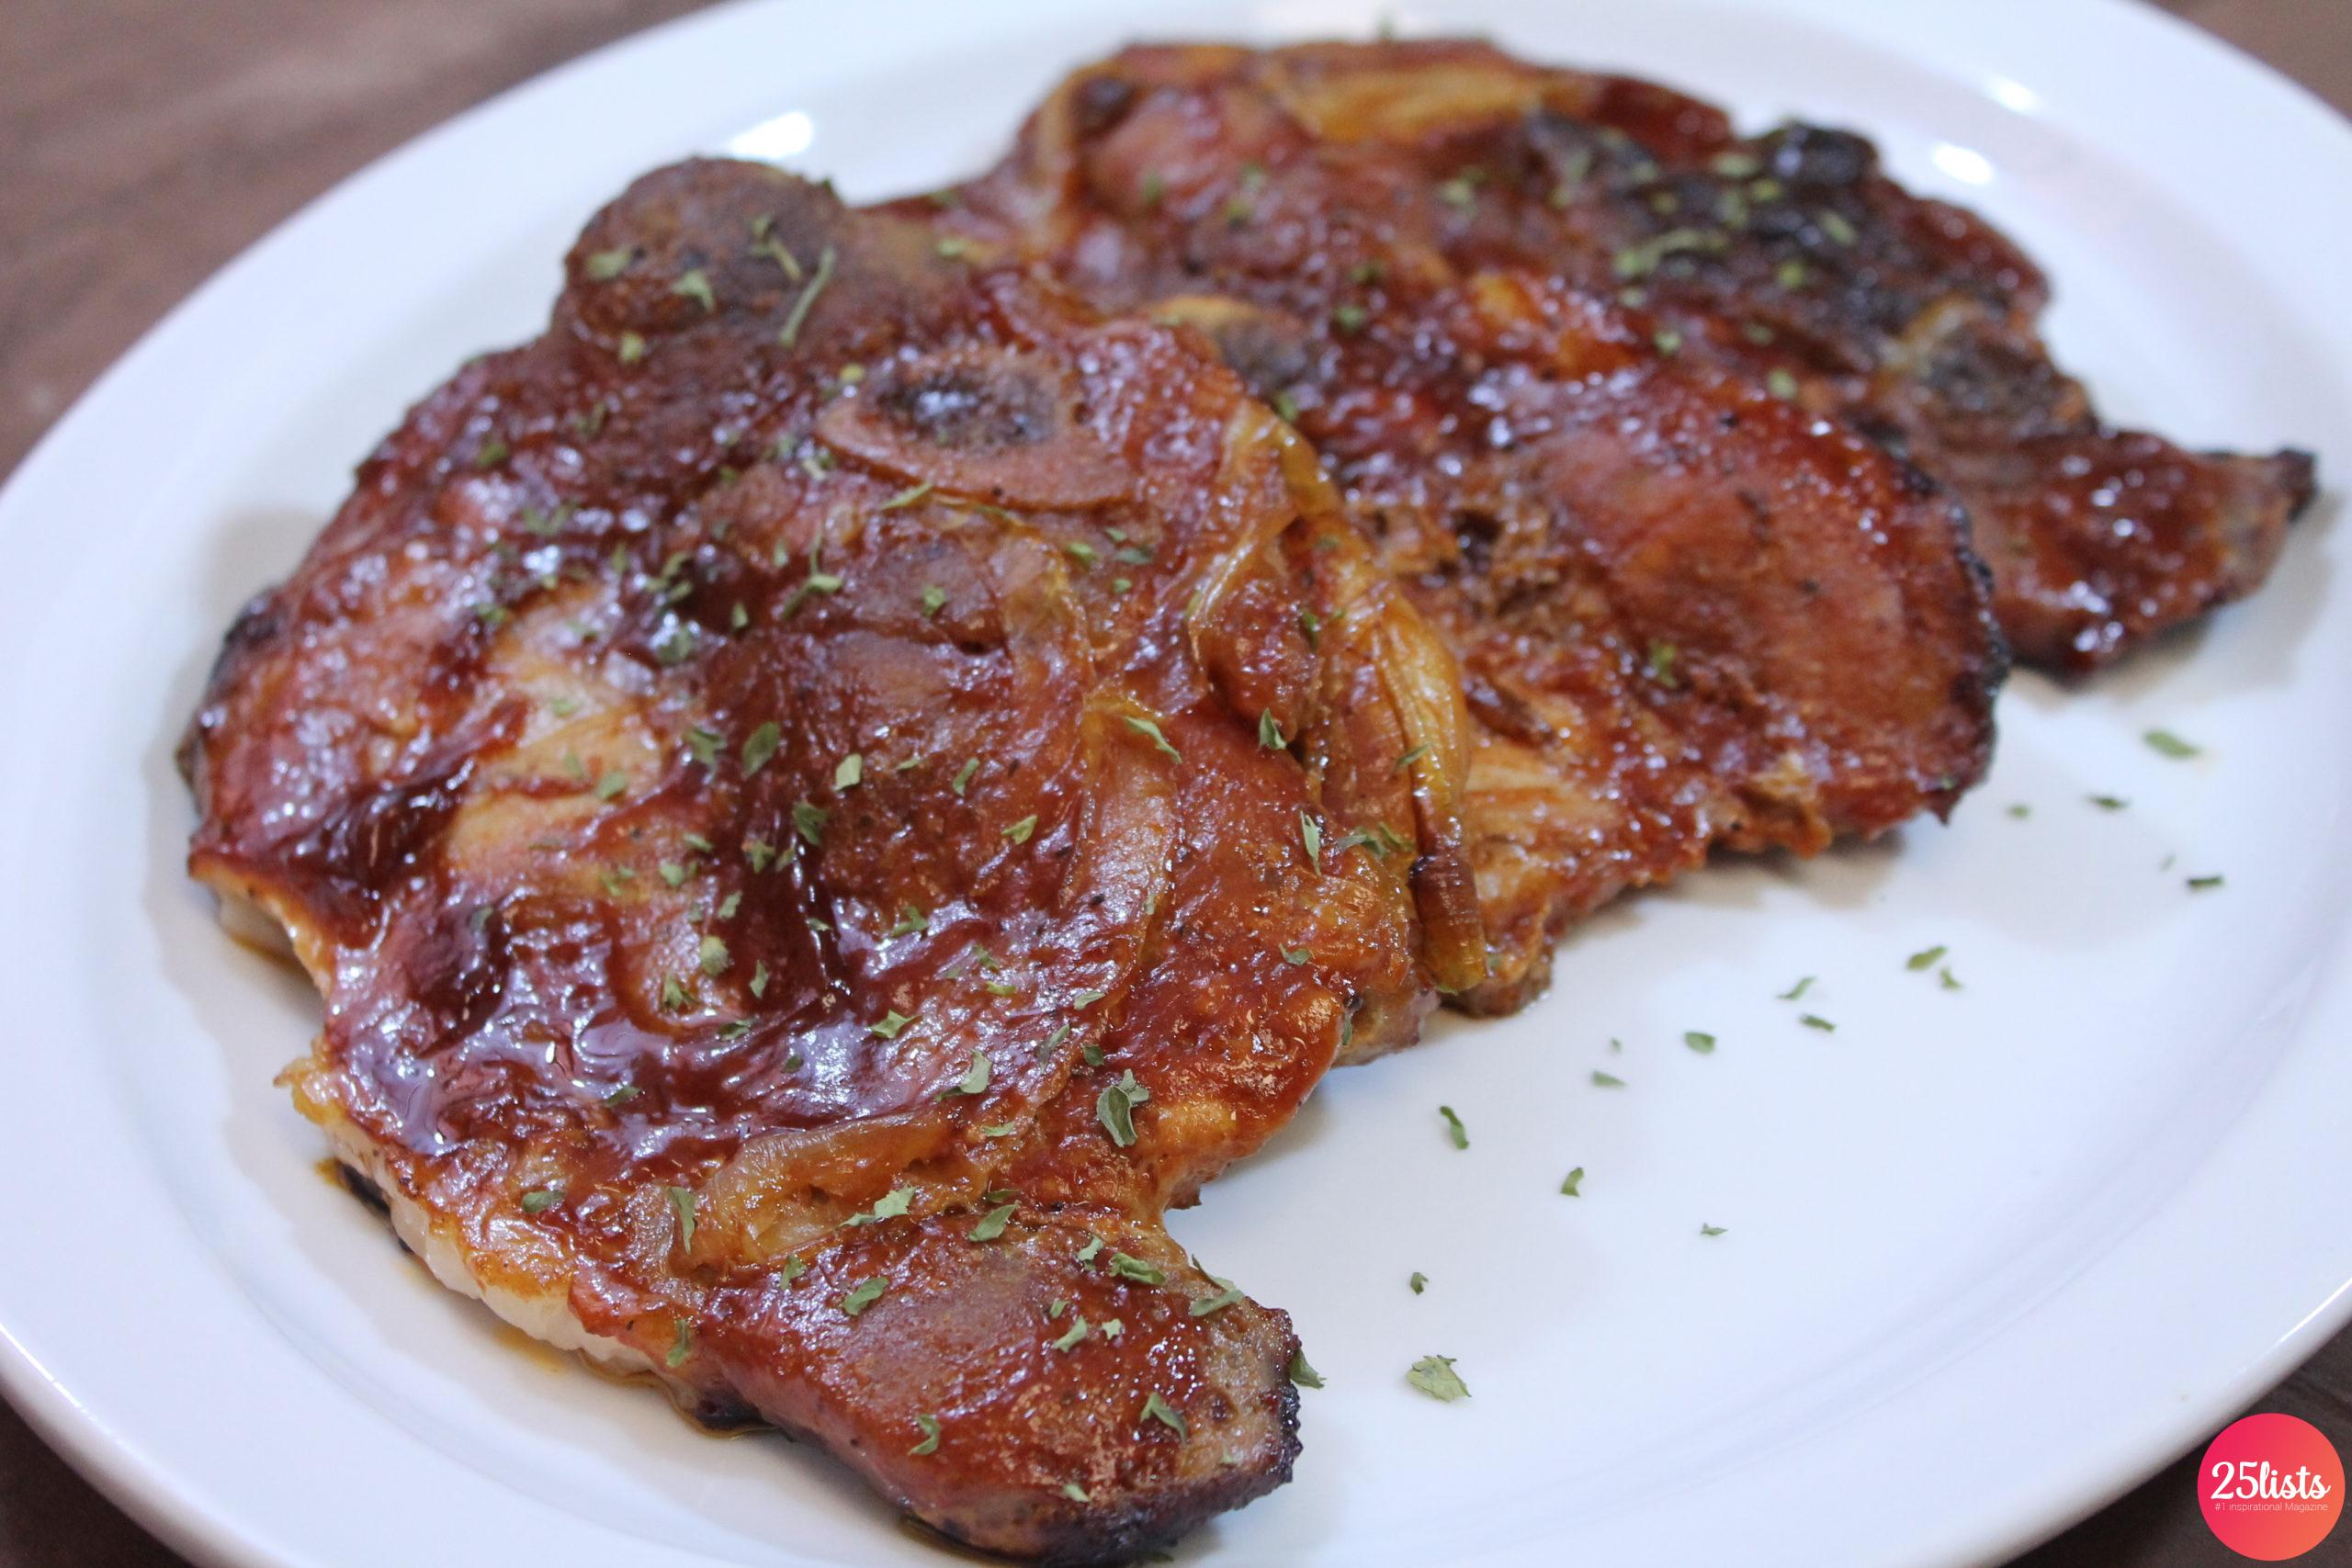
{"x":144,"y":142}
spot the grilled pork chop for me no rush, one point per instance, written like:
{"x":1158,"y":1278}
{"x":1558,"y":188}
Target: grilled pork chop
{"x":822,"y":794}
{"x":1786,"y":258}
{"x":1691,"y":613}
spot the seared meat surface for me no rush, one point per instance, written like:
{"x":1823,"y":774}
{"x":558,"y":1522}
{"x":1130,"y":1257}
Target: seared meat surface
{"x":1787,"y":258}
{"x":822,"y":795}
{"x":1691,"y":613}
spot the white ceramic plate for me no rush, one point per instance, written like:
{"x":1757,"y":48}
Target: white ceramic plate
{"x":1989,"y":1254}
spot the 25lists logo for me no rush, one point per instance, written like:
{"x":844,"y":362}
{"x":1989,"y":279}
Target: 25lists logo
{"x":2271,"y":1487}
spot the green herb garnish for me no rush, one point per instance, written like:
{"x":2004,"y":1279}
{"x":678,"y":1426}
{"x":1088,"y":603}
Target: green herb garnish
{"x":1435,"y":1376}
{"x":1640,"y":261}
{"x":1151,"y":729}
{"x":819,"y":581}
{"x":1131,"y":1267}
{"x":1218,"y":1302}
{"x":764,"y":243}
{"x":891,"y":1205}
{"x":1157,"y":1409}
{"x":798,"y":315}
{"x":1116,"y":1107}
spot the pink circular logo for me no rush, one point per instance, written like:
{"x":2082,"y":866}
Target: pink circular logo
{"x":2271,"y":1487}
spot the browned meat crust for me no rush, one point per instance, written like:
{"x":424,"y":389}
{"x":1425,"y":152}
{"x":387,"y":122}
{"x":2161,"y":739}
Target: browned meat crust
{"x":1782,"y":255}
{"x":822,"y":794}
{"x":1691,"y":613}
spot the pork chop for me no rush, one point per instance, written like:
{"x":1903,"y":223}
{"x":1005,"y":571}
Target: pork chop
{"x":820,"y":795}
{"x":1787,"y":258}
{"x":1691,"y":614}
